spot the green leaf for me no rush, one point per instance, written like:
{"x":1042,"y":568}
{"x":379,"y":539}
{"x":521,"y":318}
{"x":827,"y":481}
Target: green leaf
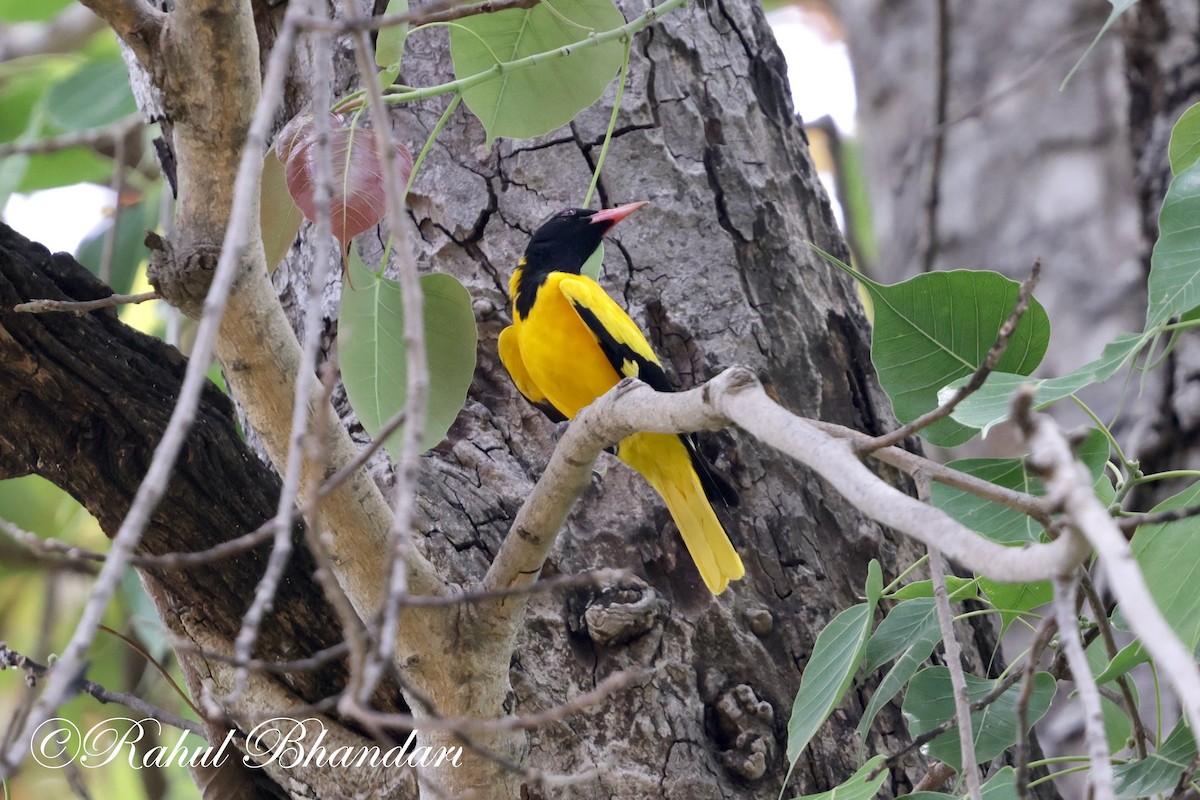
{"x":1014,"y":599}
{"x":930,"y":701}
{"x":835,"y":658}
{"x":1184,"y":149}
{"x":1158,"y":772}
{"x":856,"y":787}
{"x":594,"y":263}
{"x":991,"y":403}
{"x":909,"y":635}
{"x":905,"y":622}
{"x":279,"y":216}
{"x":874,"y":586}
{"x":1126,"y":659}
{"x":1002,"y":786}
{"x":1119,"y":8}
{"x":1117,"y":725}
{"x":1169,"y":556}
{"x":129,"y":250}
{"x":521,"y":104}
{"x":935,"y":328}
{"x":1174,"y":283}
{"x":389,"y":46}
{"x":94,"y":95}
{"x":372,"y":354}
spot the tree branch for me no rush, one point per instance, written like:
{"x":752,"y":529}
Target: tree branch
{"x":11,"y":659}
{"x":1069,"y":487}
{"x":735,"y":396}
{"x":1100,"y":777}
{"x":137,"y":22}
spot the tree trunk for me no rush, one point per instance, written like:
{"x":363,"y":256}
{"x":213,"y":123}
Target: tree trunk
{"x":718,"y":272}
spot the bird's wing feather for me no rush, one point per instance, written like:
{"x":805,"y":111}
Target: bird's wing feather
{"x":632,"y":357}
{"x":510,"y":355}
{"x":618,"y":336}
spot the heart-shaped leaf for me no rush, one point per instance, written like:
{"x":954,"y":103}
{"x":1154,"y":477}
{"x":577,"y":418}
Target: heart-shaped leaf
{"x":359,"y":198}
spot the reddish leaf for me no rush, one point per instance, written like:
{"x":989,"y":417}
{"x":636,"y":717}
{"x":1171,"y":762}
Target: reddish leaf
{"x":359,"y":201}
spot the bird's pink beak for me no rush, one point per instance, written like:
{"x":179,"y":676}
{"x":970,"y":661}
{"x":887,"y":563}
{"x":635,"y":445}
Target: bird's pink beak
{"x":612,"y":216}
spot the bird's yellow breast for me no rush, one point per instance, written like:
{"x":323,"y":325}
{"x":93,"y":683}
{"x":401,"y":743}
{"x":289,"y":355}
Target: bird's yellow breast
{"x":560,"y":353}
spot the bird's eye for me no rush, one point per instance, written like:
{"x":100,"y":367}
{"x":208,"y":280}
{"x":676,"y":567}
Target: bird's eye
{"x":570,"y":212}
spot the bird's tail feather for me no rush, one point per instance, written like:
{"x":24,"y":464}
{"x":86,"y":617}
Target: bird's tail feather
{"x":664,"y":462}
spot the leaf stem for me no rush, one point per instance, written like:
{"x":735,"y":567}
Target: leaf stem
{"x":612,"y":123}
{"x":437,"y":129}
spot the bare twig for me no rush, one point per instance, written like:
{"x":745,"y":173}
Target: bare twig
{"x":84,"y":306}
{"x":1100,"y":776}
{"x":1133,"y":522}
{"x":1002,"y":686}
{"x":912,"y":464}
{"x":441,"y":11}
{"x":958,"y":680}
{"x":11,"y":659}
{"x":292,"y":472}
{"x":515,"y":722}
{"x":1183,"y":788}
{"x":109,"y":136}
{"x":1040,"y":640}
{"x":1069,"y":487}
{"x":417,"y":373}
{"x":152,"y":488}
{"x":941,"y":103}
{"x":1007,"y":328}
{"x":1104,"y":626}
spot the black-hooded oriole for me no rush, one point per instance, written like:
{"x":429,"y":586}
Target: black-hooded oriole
{"x":570,"y":343}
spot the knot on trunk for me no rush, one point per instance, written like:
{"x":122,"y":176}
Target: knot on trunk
{"x":744,"y":724}
{"x":181,"y":276}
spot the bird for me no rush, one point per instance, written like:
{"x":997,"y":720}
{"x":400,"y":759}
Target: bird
{"x":570,"y":342}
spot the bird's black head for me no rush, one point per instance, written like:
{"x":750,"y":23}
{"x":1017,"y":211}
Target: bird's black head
{"x":568,"y":239}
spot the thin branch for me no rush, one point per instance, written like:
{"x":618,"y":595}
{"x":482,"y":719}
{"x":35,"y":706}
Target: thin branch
{"x":1002,"y":686}
{"x":1069,"y":487}
{"x":106,"y":137}
{"x":314,"y":662}
{"x":11,"y":659}
{"x":912,"y":464}
{"x":1140,"y":736}
{"x":84,"y":306}
{"x":1131,"y":523}
{"x":958,"y":680}
{"x":514,"y":722}
{"x":1101,"y":775}
{"x":152,"y":488}
{"x":281,"y":550}
{"x":1021,"y":762}
{"x":941,"y":104}
{"x":444,"y":11}
{"x":1009,"y":326}
{"x":736,"y":396}
{"x":400,"y":545}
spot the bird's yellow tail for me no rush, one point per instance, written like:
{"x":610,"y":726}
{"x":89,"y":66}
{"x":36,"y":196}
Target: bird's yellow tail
{"x":664,"y":462}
